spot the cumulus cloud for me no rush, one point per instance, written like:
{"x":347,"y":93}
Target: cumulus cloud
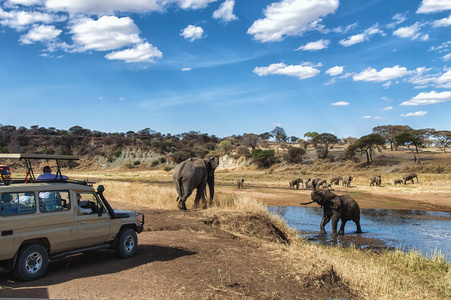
{"x":385,"y":74}
{"x":340,"y":103}
{"x":445,"y":22}
{"x":40,"y":33}
{"x":102,"y":7}
{"x":300,"y":71}
{"x":192,"y":33}
{"x":361,"y":37}
{"x":422,"y":79}
{"x":19,"y":20}
{"x":106,"y":33}
{"x":415,"y":114}
{"x":225,"y":11}
{"x":431,"y":6}
{"x":313,"y":46}
{"x":334,"y":71}
{"x":428,"y":98}
{"x":411,"y":32}
{"x":291,"y":18}
{"x":191,"y":4}
{"x":144,"y":52}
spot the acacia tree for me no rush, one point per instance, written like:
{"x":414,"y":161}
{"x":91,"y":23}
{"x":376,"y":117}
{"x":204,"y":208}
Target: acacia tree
{"x":368,"y":144}
{"x":390,"y":131}
{"x":321,"y":142}
{"x":249,"y":140}
{"x":443,"y":137}
{"x":409,"y":139}
{"x":279,"y":134}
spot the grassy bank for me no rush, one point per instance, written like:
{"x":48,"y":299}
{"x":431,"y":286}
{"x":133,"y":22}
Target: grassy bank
{"x":387,"y":275}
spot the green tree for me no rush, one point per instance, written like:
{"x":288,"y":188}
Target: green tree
{"x":443,"y":138}
{"x":409,"y":139}
{"x":264,"y":158}
{"x":322,"y":142}
{"x":295,"y":154}
{"x":366,"y":144}
{"x":390,"y":131}
{"x":279,"y":134}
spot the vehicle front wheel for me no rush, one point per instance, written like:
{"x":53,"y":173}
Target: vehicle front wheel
{"x":32,"y":262}
{"x":127,"y":242}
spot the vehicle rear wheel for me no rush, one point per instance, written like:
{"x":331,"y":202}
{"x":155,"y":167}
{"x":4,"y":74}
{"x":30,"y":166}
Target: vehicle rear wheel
{"x":127,"y":242}
{"x":32,"y":262}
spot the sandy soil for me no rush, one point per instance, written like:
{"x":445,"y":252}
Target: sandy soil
{"x":182,"y":256}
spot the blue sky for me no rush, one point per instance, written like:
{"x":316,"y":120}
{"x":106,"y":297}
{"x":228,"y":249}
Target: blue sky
{"x":226,"y":67}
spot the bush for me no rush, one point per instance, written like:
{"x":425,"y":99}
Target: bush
{"x":295,"y":155}
{"x":264,"y":158}
{"x":180,"y":156}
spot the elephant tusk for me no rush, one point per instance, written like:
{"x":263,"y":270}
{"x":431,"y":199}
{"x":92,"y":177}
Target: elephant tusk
{"x":306,"y":203}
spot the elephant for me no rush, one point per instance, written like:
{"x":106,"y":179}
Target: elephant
{"x":336,"y":207}
{"x":195,"y":173}
{"x":347,"y":181}
{"x":410,"y":176}
{"x":376,"y":180}
{"x":336,"y":180}
{"x":311,"y":183}
{"x":324,"y":186}
{"x":398,"y":181}
{"x":295,"y":183}
{"x":240,"y":183}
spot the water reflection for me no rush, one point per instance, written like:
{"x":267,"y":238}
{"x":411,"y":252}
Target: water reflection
{"x":406,"y":229}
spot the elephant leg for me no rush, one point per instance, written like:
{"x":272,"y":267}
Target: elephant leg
{"x":357,"y":223}
{"x":324,"y":221}
{"x":342,"y":227}
{"x":334,"y":225}
{"x":200,"y":194}
{"x":182,"y":199}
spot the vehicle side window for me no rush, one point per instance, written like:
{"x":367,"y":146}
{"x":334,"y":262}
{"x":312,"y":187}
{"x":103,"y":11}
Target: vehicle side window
{"x":54,"y":201}
{"x":89,"y":204}
{"x":17,"y":204}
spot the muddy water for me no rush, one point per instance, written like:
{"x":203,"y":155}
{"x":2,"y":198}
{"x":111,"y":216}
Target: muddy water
{"x":425,"y":231}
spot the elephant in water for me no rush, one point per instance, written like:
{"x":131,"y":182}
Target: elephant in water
{"x":240,"y":183}
{"x":294,"y":183}
{"x":337,"y":207}
{"x":195,"y":173}
{"x":410,"y":177}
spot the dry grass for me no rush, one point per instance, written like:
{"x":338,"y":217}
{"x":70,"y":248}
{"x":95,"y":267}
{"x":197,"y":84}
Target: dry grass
{"x":390,"y":275}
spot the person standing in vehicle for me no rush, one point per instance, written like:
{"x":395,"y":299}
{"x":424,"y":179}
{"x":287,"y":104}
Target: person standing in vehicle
{"x":47,"y":175}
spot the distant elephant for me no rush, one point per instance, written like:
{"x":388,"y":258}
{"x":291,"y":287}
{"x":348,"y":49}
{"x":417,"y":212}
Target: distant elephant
{"x":195,"y":173}
{"x":347,"y":181}
{"x":343,"y":208}
{"x":295,"y":183}
{"x":410,"y":176}
{"x":311,"y":183}
{"x":240,"y":183}
{"x":336,"y":180}
{"x":398,"y":181}
{"x":324,"y":186}
{"x":376,"y":180}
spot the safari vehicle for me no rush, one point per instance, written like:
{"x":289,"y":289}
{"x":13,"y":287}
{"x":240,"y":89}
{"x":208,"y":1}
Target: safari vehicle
{"x":42,"y":220}
{"x":5,"y":174}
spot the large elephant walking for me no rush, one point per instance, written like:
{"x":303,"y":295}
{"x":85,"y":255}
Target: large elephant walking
{"x":337,"y":207}
{"x":195,"y":173}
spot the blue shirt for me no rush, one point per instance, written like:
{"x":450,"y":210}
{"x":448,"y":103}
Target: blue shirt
{"x":50,"y":176}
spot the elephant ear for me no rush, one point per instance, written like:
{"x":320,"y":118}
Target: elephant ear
{"x":213,"y":161}
{"x":336,"y":203}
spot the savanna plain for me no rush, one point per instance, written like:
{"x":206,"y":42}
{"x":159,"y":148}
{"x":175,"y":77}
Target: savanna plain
{"x":236,"y":249}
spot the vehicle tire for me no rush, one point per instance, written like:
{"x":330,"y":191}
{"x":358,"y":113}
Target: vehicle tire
{"x":31,"y":263}
{"x":127,"y":242}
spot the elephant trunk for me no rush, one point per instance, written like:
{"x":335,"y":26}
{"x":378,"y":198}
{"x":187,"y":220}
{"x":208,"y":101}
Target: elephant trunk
{"x":307,"y":203}
{"x":211,"y":186}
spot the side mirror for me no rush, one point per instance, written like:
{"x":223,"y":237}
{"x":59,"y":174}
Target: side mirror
{"x":100,"y":189}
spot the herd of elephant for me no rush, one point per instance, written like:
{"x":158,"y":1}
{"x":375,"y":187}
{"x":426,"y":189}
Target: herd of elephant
{"x":196,"y":173}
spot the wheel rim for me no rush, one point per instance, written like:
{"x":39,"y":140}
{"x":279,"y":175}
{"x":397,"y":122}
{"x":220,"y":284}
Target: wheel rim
{"x":129,"y":243}
{"x":33,"y":262}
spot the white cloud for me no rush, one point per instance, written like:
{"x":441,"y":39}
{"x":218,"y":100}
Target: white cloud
{"x":191,"y":4}
{"x":366,"y":117}
{"x":422,"y":79}
{"x":334,"y":71}
{"x":428,"y":98}
{"x":186,"y":69}
{"x":415,"y":114}
{"x":25,"y":2}
{"x":225,"y":11}
{"x":340,"y":103}
{"x":40,"y":33}
{"x":398,"y":18}
{"x":291,"y":18}
{"x":361,"y":37}
{"x":102,"y":7}
{"x":300,"y":71}
{"x":385,"y":74}
{"x":20,"y":19}
{"x":144,"y":52}
{"x":445,"y":22}
{"x":431,"y":6}
{"x":411,"y":32}
{"x":387,"y":108}
{"x":106,"y":33}
{"x":447,"y":57}
{"x":313,"y":46}
{"x":192,"y":33}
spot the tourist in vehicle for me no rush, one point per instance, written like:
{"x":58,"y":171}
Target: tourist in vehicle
{"x":47,"y":175}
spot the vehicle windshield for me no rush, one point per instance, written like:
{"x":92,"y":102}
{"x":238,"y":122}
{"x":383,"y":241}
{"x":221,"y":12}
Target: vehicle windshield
{"x":5,"y":171}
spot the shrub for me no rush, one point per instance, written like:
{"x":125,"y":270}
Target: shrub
{"x":264,"y":158}
{"x":180,"y":156}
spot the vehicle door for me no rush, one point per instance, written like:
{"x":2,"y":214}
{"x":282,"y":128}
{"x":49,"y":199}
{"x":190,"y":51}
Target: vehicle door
{"x":93,"y":228}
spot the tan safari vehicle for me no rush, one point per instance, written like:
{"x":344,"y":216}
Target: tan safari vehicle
{"x":42,"y":220}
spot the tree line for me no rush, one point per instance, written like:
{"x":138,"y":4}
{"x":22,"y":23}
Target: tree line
{"x":85,"y":142}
